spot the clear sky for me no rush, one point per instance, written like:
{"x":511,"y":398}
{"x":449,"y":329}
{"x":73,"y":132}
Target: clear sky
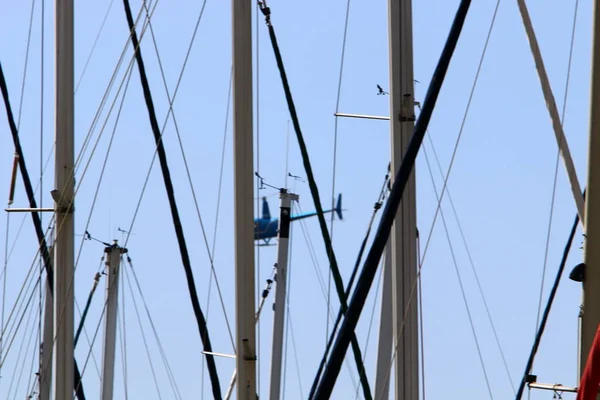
{"x":501,"y":185}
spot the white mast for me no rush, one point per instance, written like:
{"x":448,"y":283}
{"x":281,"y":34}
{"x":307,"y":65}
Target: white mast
{"x":591,"y":282}
{"x":403,"y":239}
{"x":63,"y":198}
{"x":46,"y":350}
{"x":244,"y":198}
{"x":280,"y":291}
{"x":384,"y":350}
{"x":113,"y":264}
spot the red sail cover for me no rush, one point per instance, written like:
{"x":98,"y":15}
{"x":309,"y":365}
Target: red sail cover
{"x":588,"y":387}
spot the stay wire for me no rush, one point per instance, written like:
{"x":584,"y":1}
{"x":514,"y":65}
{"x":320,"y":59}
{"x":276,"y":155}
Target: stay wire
{"x":43,"y":246}
{"x":371,"y":264}
{"x":22,"y":358}
{"x":460,"y":281}
{"x":89,"y":57}
{"x":187,"y":169}
{"x":296,"y":358}
{"x":24,"y":79}
{"x":320,"y":279}
{"x":546,"y":313}
{"x":203,"y":330}
{"x":462,"y":127}
{"x":370,"y":329}
{"x":474,"y":270}
{"x":339,"y":284}
{"x":219,"y":192}
{"x":376,"y":207}
{"x":144,"y":340}
{"x":556,"y":165}
{"x":161,"y":348}
{"x":335,"y":141}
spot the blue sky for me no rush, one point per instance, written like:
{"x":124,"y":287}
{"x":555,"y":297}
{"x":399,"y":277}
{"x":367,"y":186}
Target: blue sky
{"x":501,"y":182}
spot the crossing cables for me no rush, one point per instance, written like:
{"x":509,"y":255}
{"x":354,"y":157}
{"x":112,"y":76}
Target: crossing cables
{"x":339,"y":284}
{"x":185,"y":258}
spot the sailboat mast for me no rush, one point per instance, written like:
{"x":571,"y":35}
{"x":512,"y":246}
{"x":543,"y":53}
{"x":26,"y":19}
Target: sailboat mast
{"x":244,"y":198}
{"x":403,"y":240}
{"x":63,"y":200}
{"x":591,"y":282}
{"x":280,"y":291}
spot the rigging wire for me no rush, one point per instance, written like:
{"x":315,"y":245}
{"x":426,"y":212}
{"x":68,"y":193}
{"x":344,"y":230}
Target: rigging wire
{"x":460,"y":281}
{"x":30,"y":195}
{"x":376,"y":207}
{"x":447,"y":175}
{"x":219,"y":192}
{"x":203,"y":330}
{"x":371,"y":264}
{"x":30,"y":314}
{"x":161,"y":349}
{"x":335,"y":142}
{"x":339,"y":284}
{"x":111,"y":83}
{"x":546,"y":313}
{"x":144,"y":340}
{"x":27,"y":48}
{"x":30,"y":342}
{"x":320,"y":279}
{"x":296,"y":357}
{"x":556,"y":164}
{"x":461,"y":130}
{"x":89,"y":57}
{"x":371,"y":319}
{"x":187,"y":169}
{"x":474,"y":270}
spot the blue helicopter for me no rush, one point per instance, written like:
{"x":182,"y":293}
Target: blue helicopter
{"x":266,"y":228}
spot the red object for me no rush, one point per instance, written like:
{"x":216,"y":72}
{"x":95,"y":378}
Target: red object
{"x":590,"y":381}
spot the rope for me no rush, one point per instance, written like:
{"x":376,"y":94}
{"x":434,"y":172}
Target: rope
{"x":339,"y":285}
{"x":387,"y":219}
{"x":212,"y":369}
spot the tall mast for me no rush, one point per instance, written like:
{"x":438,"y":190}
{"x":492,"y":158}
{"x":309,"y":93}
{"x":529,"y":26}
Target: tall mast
{"x":244,"y":198}
{"x":384,"y":350}
{"x":63,"y":200}
{"x":110,"y":325}
{"x":591,"y":283}
{"x":403,"y":236}
{"x":280,"y":291}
